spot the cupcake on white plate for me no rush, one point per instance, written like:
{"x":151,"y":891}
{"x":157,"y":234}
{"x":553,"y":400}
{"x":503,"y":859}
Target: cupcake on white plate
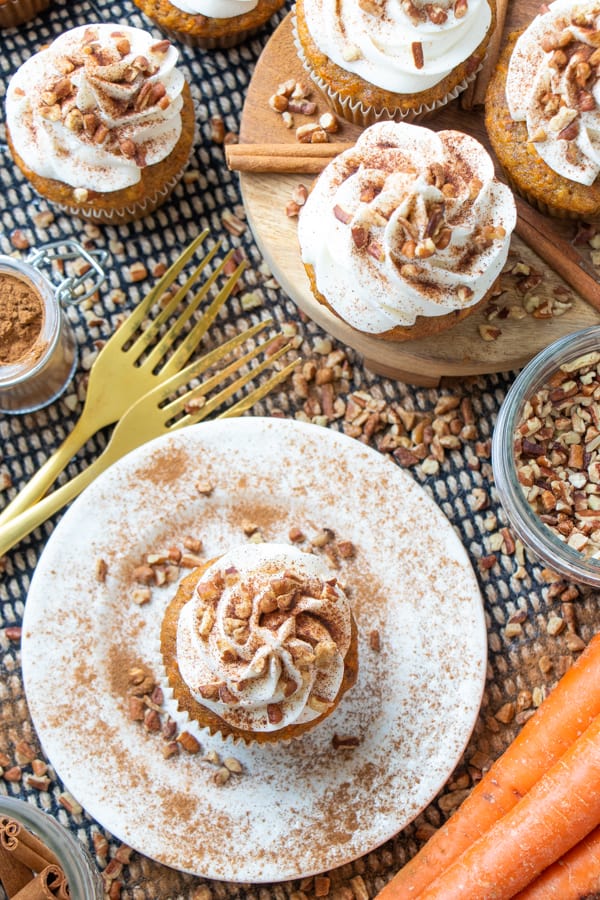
{"x":101,"y":122}
{"x":259,"y":644}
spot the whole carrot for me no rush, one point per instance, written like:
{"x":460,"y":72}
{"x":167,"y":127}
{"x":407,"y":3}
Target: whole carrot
{"x":561,"y":718}
{"x":573,"y":876}
{"x":558,"y":812}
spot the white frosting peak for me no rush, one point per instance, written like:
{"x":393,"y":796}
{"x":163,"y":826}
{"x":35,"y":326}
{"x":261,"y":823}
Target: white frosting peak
{"x":407,"y":223}
{"x":98,"y":105}
{"x":215,"y":9}
{"x":262,"y":642}
{"x":376,"y":39}
{"x":553,"y":86}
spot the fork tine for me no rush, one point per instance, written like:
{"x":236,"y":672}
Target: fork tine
{"x":163,"y":390}
{"x":218,"y":399}
{"x":134,"y":320}
{"x":180,"y":356}
{"x":258,"y":393}
{"x":150,"y":332}
{"x":178,"y":403}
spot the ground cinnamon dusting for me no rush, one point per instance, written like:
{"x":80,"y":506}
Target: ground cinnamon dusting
{"x":21,"y":318}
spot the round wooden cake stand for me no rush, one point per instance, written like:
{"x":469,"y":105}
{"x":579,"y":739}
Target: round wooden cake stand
{"x":458,"y":352}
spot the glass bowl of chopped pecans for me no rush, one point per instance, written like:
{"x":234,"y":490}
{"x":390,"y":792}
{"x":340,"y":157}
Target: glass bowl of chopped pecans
{"x":546,"y":456}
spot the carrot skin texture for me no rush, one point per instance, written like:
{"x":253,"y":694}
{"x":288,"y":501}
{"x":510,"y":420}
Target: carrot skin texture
{"x":573,"y":876}
{"x":562,"y":717}
{"x":558,"y":812}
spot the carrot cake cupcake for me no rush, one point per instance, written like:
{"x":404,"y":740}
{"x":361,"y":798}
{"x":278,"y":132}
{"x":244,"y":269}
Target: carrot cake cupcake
{"x":406,"y":233}
{"x":392,"y":59}
{"x":15,"y":12}
{"x":101,"y":122}
{"x":543,"y":114}
{"x":259,"y":644}
{"x":210,"y":24}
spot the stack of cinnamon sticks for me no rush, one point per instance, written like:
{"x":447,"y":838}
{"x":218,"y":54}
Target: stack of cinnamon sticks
{"x":29,"y":870}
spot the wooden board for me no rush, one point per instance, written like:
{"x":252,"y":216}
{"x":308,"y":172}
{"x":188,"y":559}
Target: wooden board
{"x":461,"y":351}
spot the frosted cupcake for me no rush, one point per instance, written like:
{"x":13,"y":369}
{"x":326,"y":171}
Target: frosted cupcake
{"x":101,"y":122}
{"x":392,"y":59}
{"x":543,"y":114}
{"x":15,"y":12}
{"x":260,"y":643}
{"x":210,"y":24}
{"x":406,"y":233}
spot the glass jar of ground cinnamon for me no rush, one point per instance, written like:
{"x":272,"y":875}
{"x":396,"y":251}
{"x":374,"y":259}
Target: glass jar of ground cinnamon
{"x":38,"y":352}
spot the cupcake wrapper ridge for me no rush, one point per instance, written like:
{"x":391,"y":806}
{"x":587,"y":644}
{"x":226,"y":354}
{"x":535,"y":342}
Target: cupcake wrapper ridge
{"x":354,"y":111}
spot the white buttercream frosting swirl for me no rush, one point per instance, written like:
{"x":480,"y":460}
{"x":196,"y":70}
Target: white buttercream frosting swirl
{"x":553,"y":86}
{"x":97,"y":106}
{"x":215,"y":9}
{"x":263,"y":640}
{"x":407,"y":223}
{"x":404,"y":46}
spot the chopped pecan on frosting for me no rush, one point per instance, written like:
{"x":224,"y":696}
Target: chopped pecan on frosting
{"x":553,"y":85}
{"x":418,"y":225}
{"x":96,"y":106}
{"x":264,"y":639}
{"x":436,"y":13}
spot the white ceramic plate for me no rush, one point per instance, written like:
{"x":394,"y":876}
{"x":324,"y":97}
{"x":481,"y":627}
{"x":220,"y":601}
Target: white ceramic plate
{"x":304,"y":807}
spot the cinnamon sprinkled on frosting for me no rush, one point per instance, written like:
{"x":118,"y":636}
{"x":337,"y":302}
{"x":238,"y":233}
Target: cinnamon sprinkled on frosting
{"x":263,"y":641}
{"x":553,"y":85}
{"x":97,"y":106}
{"x":409,"y":222}
{"x":405,"y":46}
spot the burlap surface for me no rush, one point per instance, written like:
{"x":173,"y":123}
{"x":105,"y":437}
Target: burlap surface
{"x":524,"y":661}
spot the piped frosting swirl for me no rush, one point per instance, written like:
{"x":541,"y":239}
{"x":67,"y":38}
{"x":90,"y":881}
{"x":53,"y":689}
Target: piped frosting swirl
{"x":404,"y":46}
{"x":553,"y":86}
{"x":407,"y":223}
{"x":262,"y":642}
{"x":97,"y":106}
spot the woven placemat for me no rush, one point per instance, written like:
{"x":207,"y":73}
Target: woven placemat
{"x":536,"y":623}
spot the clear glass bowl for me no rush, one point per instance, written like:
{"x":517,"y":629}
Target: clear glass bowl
{"x":83,"y":877}
{"x":547,"y":546}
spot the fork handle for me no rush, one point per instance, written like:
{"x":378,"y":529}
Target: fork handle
{"x":21,"y":525}
{"x":39,"y":483}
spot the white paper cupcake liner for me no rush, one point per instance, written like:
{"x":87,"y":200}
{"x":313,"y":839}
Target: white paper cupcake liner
{"x":355,"y":111}
{"x":122,"y":215}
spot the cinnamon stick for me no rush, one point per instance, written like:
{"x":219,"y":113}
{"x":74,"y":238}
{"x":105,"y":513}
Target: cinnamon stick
{"x":301,"y":159}
{"x":536,"y":231}
{"x":14,"y":875}
{"x":25,"y":846}
{"x":48,"y":884}
{"x":474,"y":95}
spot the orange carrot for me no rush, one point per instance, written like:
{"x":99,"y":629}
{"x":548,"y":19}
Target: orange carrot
{"x":561,"y":718}
{"x":573,"y":876}
{"x":560,"y":810}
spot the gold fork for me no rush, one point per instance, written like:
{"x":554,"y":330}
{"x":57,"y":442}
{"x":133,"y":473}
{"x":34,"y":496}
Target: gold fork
{"x":126,"y":367}
{"x":154,"y":414}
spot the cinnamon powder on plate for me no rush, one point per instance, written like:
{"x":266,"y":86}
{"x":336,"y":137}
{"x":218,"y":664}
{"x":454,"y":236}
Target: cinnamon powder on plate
{"x":21,"y":318}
